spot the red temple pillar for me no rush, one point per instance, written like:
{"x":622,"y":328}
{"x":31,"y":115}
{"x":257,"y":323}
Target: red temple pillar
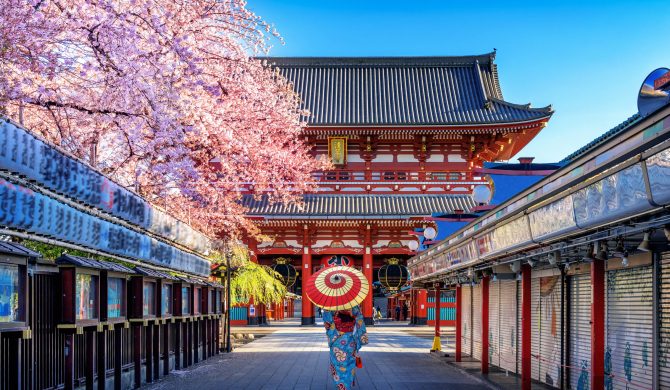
{"x":485,"y":325}
{"x":597,"y":324}
{"x":367,"y":271}
{"x":437,"y":344}
{"x":459,"y":312}
{"x":307,"y":307}
{"x":526,"y":330}
{"x":413,"y":307}
{"x":259,"y":309}
{"x":421,"y":306}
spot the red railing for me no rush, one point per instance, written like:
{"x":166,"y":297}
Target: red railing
{"x":402,"y":176}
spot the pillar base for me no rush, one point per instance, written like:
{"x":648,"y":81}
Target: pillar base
{"x":252,"y":321}
{"x":437,"y":344}
{"x":305,"y":321}
{"x":420,"y":321}
{"x":369,"y":321}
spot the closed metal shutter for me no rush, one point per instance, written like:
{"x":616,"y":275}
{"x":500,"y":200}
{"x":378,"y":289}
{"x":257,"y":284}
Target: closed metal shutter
{"x":508,"y":330}
{"x":664,"y":323}
{"x":580,"y":331}
{"x":494,"y":323}
{"x":629,"y":329}
{"x":549,"y":304}
{"x":477,"y":322}
{"x":466,"y":320}
{"x":535,"y":328}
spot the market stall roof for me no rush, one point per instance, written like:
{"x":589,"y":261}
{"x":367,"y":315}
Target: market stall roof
{"x":10,"y":248}
{"x":214,"y":284}
{"x":154,"y":273}
{"x":93,"y":263}
{"x":621,"y":127}
{"x":190,"y":280}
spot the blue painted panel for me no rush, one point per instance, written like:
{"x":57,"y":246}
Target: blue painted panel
{"x":23,"y":154}
{"x":238,"y":314}
{"x":25,"y":210}
{"x":446,"y":314}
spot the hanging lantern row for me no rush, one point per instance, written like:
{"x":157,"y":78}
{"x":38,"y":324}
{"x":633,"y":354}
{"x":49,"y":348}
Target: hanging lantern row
{"x":393,"y":275}
{"x":287,"y":271}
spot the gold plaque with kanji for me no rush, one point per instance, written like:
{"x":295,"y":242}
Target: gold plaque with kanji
{"x":337,"y":150}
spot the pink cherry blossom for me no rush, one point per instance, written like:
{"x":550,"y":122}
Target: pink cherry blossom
{"x":158,"y":89}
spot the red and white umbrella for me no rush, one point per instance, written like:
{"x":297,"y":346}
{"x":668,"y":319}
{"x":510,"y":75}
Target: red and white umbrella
{"x":337,"y":288}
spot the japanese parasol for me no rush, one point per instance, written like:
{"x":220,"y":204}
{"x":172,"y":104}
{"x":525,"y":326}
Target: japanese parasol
{"x":337,"y":288}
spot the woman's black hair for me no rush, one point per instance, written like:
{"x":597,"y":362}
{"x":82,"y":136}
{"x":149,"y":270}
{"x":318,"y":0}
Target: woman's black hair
{"x":346,"y":317}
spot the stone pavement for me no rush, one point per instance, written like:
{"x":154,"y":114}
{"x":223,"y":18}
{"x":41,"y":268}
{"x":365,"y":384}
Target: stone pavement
{"x":297,"y":358}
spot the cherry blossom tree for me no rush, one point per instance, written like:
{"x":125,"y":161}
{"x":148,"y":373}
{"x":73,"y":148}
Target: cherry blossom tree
{"x":151,"y":92}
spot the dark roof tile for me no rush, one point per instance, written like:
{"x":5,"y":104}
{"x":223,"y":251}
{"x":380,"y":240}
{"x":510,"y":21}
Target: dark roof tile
{"x":603,"y":138}
{"x":402,"y":91}
{"x":92,"y":263}
{"x":10,"y":248}
{"x":154,"y":273}
{"x":360,"y":205}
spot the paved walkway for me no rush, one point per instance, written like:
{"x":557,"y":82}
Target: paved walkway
{"x":297,"y":358}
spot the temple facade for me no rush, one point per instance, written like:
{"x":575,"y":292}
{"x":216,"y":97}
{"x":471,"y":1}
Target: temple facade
{"x":407,"y":138}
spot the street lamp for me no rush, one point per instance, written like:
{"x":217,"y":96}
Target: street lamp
{"x":226,"y":254}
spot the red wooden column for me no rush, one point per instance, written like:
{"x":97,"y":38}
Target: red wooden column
{"x":367,"y":271}
{"x":437,"y":344}
{"x":597,"y":324}
{"x":525,"y":327}
{"x":485,"y":325}
{"x":414,"y":306}
{"x":421,"y":306}
{"x":307,"y":307}
{"x":259,"y":315}
{"x":459,"y":312}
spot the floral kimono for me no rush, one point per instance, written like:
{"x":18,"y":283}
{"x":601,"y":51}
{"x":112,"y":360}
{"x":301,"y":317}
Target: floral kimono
{"x":346,"y":334}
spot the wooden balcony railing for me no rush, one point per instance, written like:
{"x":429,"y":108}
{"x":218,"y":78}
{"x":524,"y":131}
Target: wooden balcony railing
{"x":394,"y":176}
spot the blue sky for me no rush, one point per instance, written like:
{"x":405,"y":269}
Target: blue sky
{"x":586,"y":58}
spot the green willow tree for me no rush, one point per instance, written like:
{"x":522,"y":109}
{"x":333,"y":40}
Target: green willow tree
{"x":249,"y":279}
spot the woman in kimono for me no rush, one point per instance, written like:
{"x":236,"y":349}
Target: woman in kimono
{"x":346,"y":335}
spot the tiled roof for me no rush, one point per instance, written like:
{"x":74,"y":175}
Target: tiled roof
{"x":154,"y":273}
{"x":603,"y":138}
{"x":9,"y":248}
{"x":360,"y":206}
{"x":214,"y":284}
{"x":92,"y":263}
{"x":402,"y":91}
{"x":190,"y":280}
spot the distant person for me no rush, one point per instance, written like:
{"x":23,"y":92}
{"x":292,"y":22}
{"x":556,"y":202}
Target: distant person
{"x":390,"y":314}
{"x":319,"y":311}
{"x":397,"y":312}
{"x":374,"y":314}
{"x":405,"y":310}
{"x":379,"y":313}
